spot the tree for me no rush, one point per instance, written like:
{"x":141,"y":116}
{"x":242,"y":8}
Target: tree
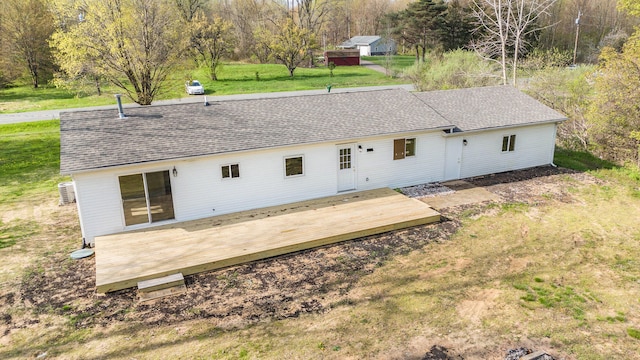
{"x":26,"y":27}
{"x":131,"y":43}
{"x":368,"y":16}
{"x":2,"y":75}
{"x":211,"y":41}
{"x":246,"y":16}
{"x":189,"y":8}
{"x":598,"y":19}
{"x":632,"y":7}
{"x":457,"y":27}
{"x":503,"y":27}
{"x":289,"y":45}
{"x":421,"y":25}
{"x":569,"y":92}
{"x":312,"y":13}
{"x":614,"y":113}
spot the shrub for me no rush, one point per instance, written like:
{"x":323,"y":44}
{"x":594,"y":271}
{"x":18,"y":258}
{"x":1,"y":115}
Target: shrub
{"x":453,"y":70}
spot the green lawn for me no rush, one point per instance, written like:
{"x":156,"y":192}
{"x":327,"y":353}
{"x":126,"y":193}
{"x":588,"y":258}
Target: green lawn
{"x":232,"y":79}
{"x":29,"y":159}
{"x":398,"y":62}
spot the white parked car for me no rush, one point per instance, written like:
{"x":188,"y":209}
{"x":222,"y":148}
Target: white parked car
{"x":194,"y":87}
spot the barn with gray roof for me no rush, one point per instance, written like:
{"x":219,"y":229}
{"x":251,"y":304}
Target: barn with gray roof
{"x":182,"y":162}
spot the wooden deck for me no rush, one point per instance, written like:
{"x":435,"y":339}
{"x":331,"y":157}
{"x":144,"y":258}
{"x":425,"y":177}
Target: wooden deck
{"x":194,"y":246}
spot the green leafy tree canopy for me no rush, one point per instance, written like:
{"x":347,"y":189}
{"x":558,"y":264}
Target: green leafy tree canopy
{"x":132,"y":43}
{"x":290,"y":44}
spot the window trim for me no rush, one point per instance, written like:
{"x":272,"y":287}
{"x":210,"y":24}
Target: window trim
{"x":284,"y":163}
{"x":230,"y":177}
{"x":509,"y":143}
{"x":401,"y":145}
{"x":342,"y":162}
{"x":150,"y":221}
{"x":406,"y":151}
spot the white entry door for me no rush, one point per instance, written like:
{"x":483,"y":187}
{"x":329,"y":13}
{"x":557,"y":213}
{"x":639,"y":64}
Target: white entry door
{"x":453,"y":158}
{"x":346,"y":167}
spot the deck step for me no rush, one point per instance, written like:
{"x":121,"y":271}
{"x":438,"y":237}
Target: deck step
{"x":152,"y":295}
{"x":165,"y":282}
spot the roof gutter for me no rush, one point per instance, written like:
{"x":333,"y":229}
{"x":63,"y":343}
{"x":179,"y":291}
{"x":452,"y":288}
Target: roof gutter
{"x":504,"y":127}
{"x":196,"y":157}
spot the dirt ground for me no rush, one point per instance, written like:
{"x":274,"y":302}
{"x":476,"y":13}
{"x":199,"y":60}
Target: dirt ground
{"x":286,"y":286}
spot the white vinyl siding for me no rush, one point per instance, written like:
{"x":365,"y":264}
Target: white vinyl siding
{"x":483,"y":153}
{"x":199,"y":191}
{"x":377,"y":168}
{"x":99,"y":204}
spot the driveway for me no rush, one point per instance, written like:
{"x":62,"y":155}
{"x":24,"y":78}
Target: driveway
{"x":55,"y":114}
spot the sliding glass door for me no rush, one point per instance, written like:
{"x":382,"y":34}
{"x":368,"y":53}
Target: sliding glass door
{"x":146,"y":197}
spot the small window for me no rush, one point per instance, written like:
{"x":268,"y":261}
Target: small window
{"x":508,"y":143}
{"x":403,"y":148}
{"x":230,"y":171}
{"x":410,"y":147}
{"x":293,"y":166}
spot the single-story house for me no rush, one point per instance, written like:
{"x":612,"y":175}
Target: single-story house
{"x":171,"y":163}
{"x":370,"y":45}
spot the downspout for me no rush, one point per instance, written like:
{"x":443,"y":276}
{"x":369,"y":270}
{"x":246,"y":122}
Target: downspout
{"x":553,"y":149}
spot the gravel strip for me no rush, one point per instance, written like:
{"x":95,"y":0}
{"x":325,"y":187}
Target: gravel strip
{"x":426,"y":190}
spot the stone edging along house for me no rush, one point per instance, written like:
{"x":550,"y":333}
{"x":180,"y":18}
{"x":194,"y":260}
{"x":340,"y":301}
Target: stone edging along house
{"x":163,"y":164}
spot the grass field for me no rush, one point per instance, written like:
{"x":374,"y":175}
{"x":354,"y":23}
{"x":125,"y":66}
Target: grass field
{"x":232,"y":79}
{"x":560,"y":273}
{"x":29,"y":160}
{"x":398,"y":62}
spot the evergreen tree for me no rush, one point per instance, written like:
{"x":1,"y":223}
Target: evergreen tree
{"x":421,"y":25}
{"x":458,"y":26}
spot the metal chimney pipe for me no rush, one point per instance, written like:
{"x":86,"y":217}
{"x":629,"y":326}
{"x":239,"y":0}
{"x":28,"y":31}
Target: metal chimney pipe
{"x":120,"y":110}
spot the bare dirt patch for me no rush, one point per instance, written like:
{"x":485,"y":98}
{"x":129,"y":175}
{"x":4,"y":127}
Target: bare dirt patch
{"x":475,"y":309}
{"x":311,"y":281}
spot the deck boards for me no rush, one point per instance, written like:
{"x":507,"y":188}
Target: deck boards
{"x":124,"y":259}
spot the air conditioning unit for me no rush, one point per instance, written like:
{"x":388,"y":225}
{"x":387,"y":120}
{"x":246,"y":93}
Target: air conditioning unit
{"x":67,"y":193}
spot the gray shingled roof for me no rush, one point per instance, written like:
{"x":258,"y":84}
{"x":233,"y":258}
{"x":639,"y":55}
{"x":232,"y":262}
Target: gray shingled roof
{"x":360,"y":40}
{"x":489,"y":107}
{"x":99,"y":139}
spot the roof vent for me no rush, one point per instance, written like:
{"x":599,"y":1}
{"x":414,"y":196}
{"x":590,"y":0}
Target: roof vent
{"x":120,"y":110}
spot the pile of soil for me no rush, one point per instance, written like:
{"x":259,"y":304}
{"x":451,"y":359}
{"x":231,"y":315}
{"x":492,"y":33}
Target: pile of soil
{"x":438,"y":352}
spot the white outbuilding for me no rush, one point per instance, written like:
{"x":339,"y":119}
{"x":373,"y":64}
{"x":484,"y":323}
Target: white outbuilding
{"x":370,"y":45}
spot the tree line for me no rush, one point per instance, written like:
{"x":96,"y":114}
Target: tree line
{"x":133,"y":44}
{"x":136,"y":44}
